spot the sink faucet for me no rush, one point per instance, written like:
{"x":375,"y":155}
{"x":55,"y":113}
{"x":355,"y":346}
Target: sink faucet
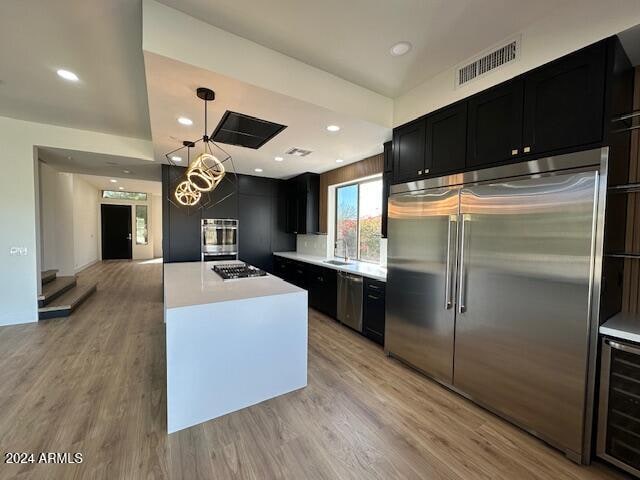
{"x":346,"y":248}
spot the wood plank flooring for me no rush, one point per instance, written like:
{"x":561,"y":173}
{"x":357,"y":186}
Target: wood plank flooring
{"x":95,"y":383}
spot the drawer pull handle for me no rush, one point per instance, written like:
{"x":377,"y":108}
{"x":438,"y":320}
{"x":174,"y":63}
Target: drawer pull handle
{"x":373,"y":297}
{"x":526,"y":149}
{"x":514,"y":151}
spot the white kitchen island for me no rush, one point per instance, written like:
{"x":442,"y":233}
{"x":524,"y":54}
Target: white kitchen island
{"x":230,"y":344}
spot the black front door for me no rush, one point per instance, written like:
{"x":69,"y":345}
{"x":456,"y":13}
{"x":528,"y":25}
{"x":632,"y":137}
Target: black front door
{"x":116,"y":232}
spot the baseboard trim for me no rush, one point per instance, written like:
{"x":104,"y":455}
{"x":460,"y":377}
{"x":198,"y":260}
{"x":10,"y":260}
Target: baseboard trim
{"x":86,"y":265}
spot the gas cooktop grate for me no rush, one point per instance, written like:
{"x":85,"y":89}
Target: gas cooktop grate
{"x":234,"y":271}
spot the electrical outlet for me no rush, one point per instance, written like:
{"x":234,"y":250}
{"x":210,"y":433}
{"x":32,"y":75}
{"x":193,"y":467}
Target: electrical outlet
{"x":18,"y":251}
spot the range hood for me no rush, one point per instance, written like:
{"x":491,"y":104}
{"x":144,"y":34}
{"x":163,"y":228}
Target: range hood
{"x":245,"y":131}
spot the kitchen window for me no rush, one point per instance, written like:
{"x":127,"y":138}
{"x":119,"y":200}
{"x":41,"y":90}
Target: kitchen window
{"x":142,"y":230}
{"x":358,"y":220}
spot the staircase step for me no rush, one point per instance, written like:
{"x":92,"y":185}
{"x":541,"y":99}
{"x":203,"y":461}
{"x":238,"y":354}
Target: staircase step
{"x":65,"y":304}
{"x":55,"y":288}
{"x":48,"y":276}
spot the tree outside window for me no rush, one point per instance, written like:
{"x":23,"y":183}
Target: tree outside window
{"x":359,"y":220}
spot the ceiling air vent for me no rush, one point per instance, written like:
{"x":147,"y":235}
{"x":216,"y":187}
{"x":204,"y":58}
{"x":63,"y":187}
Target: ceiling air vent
{"x":487,"y":62}
{"x":244,"y":130}
{"x":298,"y":152}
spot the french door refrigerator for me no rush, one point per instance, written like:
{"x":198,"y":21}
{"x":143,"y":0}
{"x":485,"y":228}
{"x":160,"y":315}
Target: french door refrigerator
{"x":492,"y":289}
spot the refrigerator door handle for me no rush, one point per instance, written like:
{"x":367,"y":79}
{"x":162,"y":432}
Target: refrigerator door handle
{"x":448,"y":300}
{"x":462,"y":307}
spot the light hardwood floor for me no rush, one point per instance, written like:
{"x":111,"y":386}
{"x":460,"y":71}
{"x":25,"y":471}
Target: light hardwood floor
{"x":95,"y":383}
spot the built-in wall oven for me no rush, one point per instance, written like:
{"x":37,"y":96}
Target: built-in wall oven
{"x":619,"y":413}
{"x":219,"y":239}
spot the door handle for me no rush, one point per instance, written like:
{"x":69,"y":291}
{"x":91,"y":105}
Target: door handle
{"x":448,"y":300}
{"x":129,"y":237}
{"x":623,"y":347}
{"x":462,"y":284}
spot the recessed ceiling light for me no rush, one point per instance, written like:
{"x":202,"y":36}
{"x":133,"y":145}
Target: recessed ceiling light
{"x":339,"y":160}
{"x":400,"y":48}
{"x":176,"y":158}
{"x":259,"y":170}
{"x":120,"y":188}
{"x":185,"y":121}
{"x":126,"y":171}
{"x":67,"y":75}
{"x":278,"y":159}
{"x":333,"y":128}
{"x":113,"y":180}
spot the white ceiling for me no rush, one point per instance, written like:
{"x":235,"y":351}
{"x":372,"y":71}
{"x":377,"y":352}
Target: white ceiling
{"x":351,"y":39}
{"x":111,"y":166}
{"x":99,"y":40}
{"x":171,"y":87}
{"x":127,"y":184}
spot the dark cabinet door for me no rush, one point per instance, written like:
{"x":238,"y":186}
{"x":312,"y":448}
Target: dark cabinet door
{"x":495,"y":125}
{"x":388,"y":157}
{"x":299,"y":274}
{"x":446,"y":140}
{"x":254,"y":235}
{"x":322,"y":287}
{"x":303,"y":199}
{"x":408,"y":151}
{"x":373,"y":314}
{"x":564,"y":102}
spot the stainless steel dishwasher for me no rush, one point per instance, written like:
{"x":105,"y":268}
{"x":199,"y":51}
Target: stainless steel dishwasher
{"x":350,"y":300}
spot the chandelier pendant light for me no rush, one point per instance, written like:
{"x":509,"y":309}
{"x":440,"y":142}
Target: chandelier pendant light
{"x":195,"y":185}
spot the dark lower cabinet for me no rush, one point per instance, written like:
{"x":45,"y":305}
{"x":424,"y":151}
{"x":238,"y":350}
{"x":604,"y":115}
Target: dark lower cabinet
{"x":322,"y":288}
{"x":373,"y":309}
{"x":495,"y":125}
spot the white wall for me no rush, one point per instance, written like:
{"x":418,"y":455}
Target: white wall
{"x":85,"y":223}
{"x":570,"y":27}
{"x":156,"y":225}
{"x":19,"y":275}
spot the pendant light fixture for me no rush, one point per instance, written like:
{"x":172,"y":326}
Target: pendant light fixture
{"x":194,"y":186}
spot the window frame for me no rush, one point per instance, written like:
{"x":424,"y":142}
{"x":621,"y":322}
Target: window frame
{"x":335,"y":216}
{"x":120,"y":197}
{"x":135,"y":216}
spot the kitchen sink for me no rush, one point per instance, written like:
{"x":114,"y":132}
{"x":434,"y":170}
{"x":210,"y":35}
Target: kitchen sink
{"x":338,"y":262}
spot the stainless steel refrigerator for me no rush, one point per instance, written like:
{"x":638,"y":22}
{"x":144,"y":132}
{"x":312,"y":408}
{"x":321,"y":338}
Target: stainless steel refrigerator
{"x":493,"y":289}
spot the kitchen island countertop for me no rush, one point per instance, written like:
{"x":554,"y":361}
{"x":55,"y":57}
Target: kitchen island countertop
{"x":195,"y":283}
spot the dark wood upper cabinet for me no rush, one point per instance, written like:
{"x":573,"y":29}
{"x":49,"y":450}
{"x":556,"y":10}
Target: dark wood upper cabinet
{"x":495,"y":125}
{"x":446,"y":138}
{"x":564,"y":102}
{"x":408,"y":151}
{"x":303,"y":204}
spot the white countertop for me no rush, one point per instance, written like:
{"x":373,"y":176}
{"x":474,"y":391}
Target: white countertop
{"x":622,"y":325}
{"x":369,"y":270}
{"x":194,"y":283}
